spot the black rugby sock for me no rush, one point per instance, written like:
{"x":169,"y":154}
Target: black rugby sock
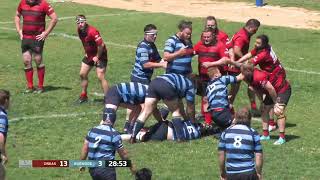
{"x":138,"y":125}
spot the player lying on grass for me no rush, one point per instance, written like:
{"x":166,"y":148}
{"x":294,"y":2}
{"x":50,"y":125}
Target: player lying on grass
{"x":127,"y":95}
{"x":172,"y":89}
{"x":176,"y":130}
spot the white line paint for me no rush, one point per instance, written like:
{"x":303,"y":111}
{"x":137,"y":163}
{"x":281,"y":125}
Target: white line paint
{"x":161,"y":50}
{"x":52,"y":116}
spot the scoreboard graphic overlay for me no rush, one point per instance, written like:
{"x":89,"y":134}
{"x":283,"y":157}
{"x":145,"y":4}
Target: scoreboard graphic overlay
{"x":73,"y":163}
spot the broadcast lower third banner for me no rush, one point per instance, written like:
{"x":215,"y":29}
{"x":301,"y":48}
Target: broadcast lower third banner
{"x":73,"y":163}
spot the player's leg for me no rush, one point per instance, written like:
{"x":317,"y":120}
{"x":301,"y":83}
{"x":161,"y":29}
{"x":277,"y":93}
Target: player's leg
{"x":233,"y":92}
{"x":266,"y":107}
{"x":27,"y":61}
{"x":135,"y":111}
{"x":37,"y":55}
{"x":207,"y":115}
{"x":252,"y":98}
{"x":101,"y":71}
{"x":84,"y":71}
{"x":272,"y":123}
{"x":2,"y":172}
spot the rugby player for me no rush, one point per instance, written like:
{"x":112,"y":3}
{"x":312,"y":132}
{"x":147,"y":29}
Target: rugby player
{"x":172,"y":89}
{"x":208,"y":49}
{"x":33,"y":35}
{"x":95,"y":55}
{"x":4,"y":105}
{"x":240,"y":151}
{"x":238,"y":46}
{"x":101,"y":143}
{"x":221,"y":36}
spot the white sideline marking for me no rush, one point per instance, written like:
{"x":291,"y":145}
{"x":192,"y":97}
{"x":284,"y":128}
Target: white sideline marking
{"x":161,"y":50}
{"x":52,"y":116}
{"x":73,"y":17}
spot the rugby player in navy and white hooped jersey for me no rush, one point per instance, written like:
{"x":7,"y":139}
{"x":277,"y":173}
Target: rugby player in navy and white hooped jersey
{"x":4,"y":105}
{"x":172,"y":89}
{"x":101,"y":143}
{"x":95,"y":55}
{"x":178,"y":50}
{"x":147,"y":57}
{"x":240,"y":150}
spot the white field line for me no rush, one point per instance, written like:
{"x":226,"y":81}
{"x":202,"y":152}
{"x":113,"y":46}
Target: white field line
{"x":161,"y":50}
{"x":52,"y":116}
{"x":96,"y":15}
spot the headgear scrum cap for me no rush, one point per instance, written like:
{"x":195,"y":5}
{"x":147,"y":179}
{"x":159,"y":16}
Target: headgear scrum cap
{"x":80,"y":18}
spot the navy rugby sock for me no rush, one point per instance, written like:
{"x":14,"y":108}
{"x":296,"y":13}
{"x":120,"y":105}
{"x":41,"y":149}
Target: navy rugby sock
{"x":138,"y":125}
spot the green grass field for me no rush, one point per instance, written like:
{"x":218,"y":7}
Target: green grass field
{"x":62,"y":137}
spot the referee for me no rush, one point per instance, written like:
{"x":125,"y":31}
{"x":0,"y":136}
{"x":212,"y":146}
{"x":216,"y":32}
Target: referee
{"x":240,"y":151}
{"x":101,"y":143}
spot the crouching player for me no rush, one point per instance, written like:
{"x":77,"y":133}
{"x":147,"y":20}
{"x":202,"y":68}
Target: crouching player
{"x":277,"y":96}
{"x":128,"y":95}
{"x":171,"y":88}
{"x":101,"y":143}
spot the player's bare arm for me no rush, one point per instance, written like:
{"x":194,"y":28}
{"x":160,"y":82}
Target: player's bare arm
{"x":99,"y":52}
{"x":3,"y":153}
{"x":84,"y":153}
{"x":221,"y":157}
{"x":237,"y":51}
{"x":155,"y":65}
{"x":191,"y":112}
{"x":123,"y":153}
{"x":17,"y":19}
{"x":259,"y":164}
{"x":245,"y":57}
{"x":181,"y":52}
{"x":52,"y":24}
{"x":220,"y":62}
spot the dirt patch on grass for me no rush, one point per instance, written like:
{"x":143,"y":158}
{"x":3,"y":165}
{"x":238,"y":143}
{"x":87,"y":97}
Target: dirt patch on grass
{"x":231,"y":11}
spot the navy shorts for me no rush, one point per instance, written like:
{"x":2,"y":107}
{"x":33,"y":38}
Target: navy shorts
{"x":103,"y":173}
{"x":222,"y":118}
{"x":283,"y":98}
{"x":32,"y":45}
{"x":142,"y":81}
{"x":101,"y":64}
{"x":157,"y":132}
{"x":113,"y":97}
{"x":252,"y":175}
{"x":161,"y":89}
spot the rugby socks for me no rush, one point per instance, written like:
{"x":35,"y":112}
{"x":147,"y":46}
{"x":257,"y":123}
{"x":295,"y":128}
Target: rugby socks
{"x":265,"y":132}
{"x":208,"y":118}
{"x":84,"y":95}
{"x":126,"y":126}
{"x":253,"y":105}
{"x":138,"y":125}
{"x":41,"y":71}
{"x":272,"y":122}
{"x":282,"y":135}
{"x":29,"y":77}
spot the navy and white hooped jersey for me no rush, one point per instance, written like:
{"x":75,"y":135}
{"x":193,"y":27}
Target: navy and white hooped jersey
{"x":3,"y":122}
{"x":103,"y":142}
{"x":217,"y":91}
{"x":180,"y":65}
{"x":240,"y":142}
{"x":132,"y":92}
{"x":146,"y":52}
{"x":181,"y":84}
{"x":190,"y":132}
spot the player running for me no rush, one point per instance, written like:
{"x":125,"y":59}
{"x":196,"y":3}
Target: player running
{"x":95,"y":55}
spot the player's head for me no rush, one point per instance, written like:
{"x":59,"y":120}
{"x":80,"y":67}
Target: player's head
{"x":243,"y":116}
{"x":208,"y":37}
{"x":32,"y":2}
{"x":143,"y":174}
{"x":247,"y":71}
{"x":4,"y":98}
{"x":211,"y":22}
{"x":81,"y":21}
{"x":252,"y":26}
{"x":213,"y":72}
{"x":109,"y":116}
{"x":185,"y":28}
{"x":150,"y":32}
{"x":262,"y":42}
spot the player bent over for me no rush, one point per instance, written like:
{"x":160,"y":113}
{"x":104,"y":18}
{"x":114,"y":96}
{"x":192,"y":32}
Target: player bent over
{"x":171,"y":88}
{"x":95,"y":55}
{"x":101,"y":143}
{"x":128,"y":95}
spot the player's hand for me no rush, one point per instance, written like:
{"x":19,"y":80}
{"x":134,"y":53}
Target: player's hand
{"x":42,"y":36}
{"x":82,"y":169}
{"x":164,"y":64}
{"x":4,"y":159}
{"x":133,"y":169}
{"x":95,"y":60}
{"x":206,"y":64}
{"x":20,"y":34}
{"x":260,"y":176}
{"x":223,"y":176}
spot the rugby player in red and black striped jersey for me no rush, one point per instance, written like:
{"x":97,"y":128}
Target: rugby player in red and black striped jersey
{"x":95,"y":55}
{"x":33,"y":34}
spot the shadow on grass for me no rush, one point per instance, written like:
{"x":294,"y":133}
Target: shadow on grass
{"x":288,"y":137}
{"x":288,"y":125}
{"x":54,"y":88}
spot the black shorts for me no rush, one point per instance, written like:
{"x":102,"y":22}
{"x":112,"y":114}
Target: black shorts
{"x":161,"y":89}
{"x":102,"y":62}
{"x":283,"y":98}
{"x":267,"y":100}
{"x":113,"y":97}
{"x":201,"y":87}
{"x":157,"y":132}
{"x":103,"y":173}
{"x":31,"y":45}
{"x":252,"y":175}
{"x":142,"y":81}
{"x":222,"y":118}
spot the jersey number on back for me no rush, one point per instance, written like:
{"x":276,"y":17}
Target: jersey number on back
{"x":97,"y":139}
{"x":237,"y":141}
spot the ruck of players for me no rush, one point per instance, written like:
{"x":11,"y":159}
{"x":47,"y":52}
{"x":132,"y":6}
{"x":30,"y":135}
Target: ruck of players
{"x":171,"y":97}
